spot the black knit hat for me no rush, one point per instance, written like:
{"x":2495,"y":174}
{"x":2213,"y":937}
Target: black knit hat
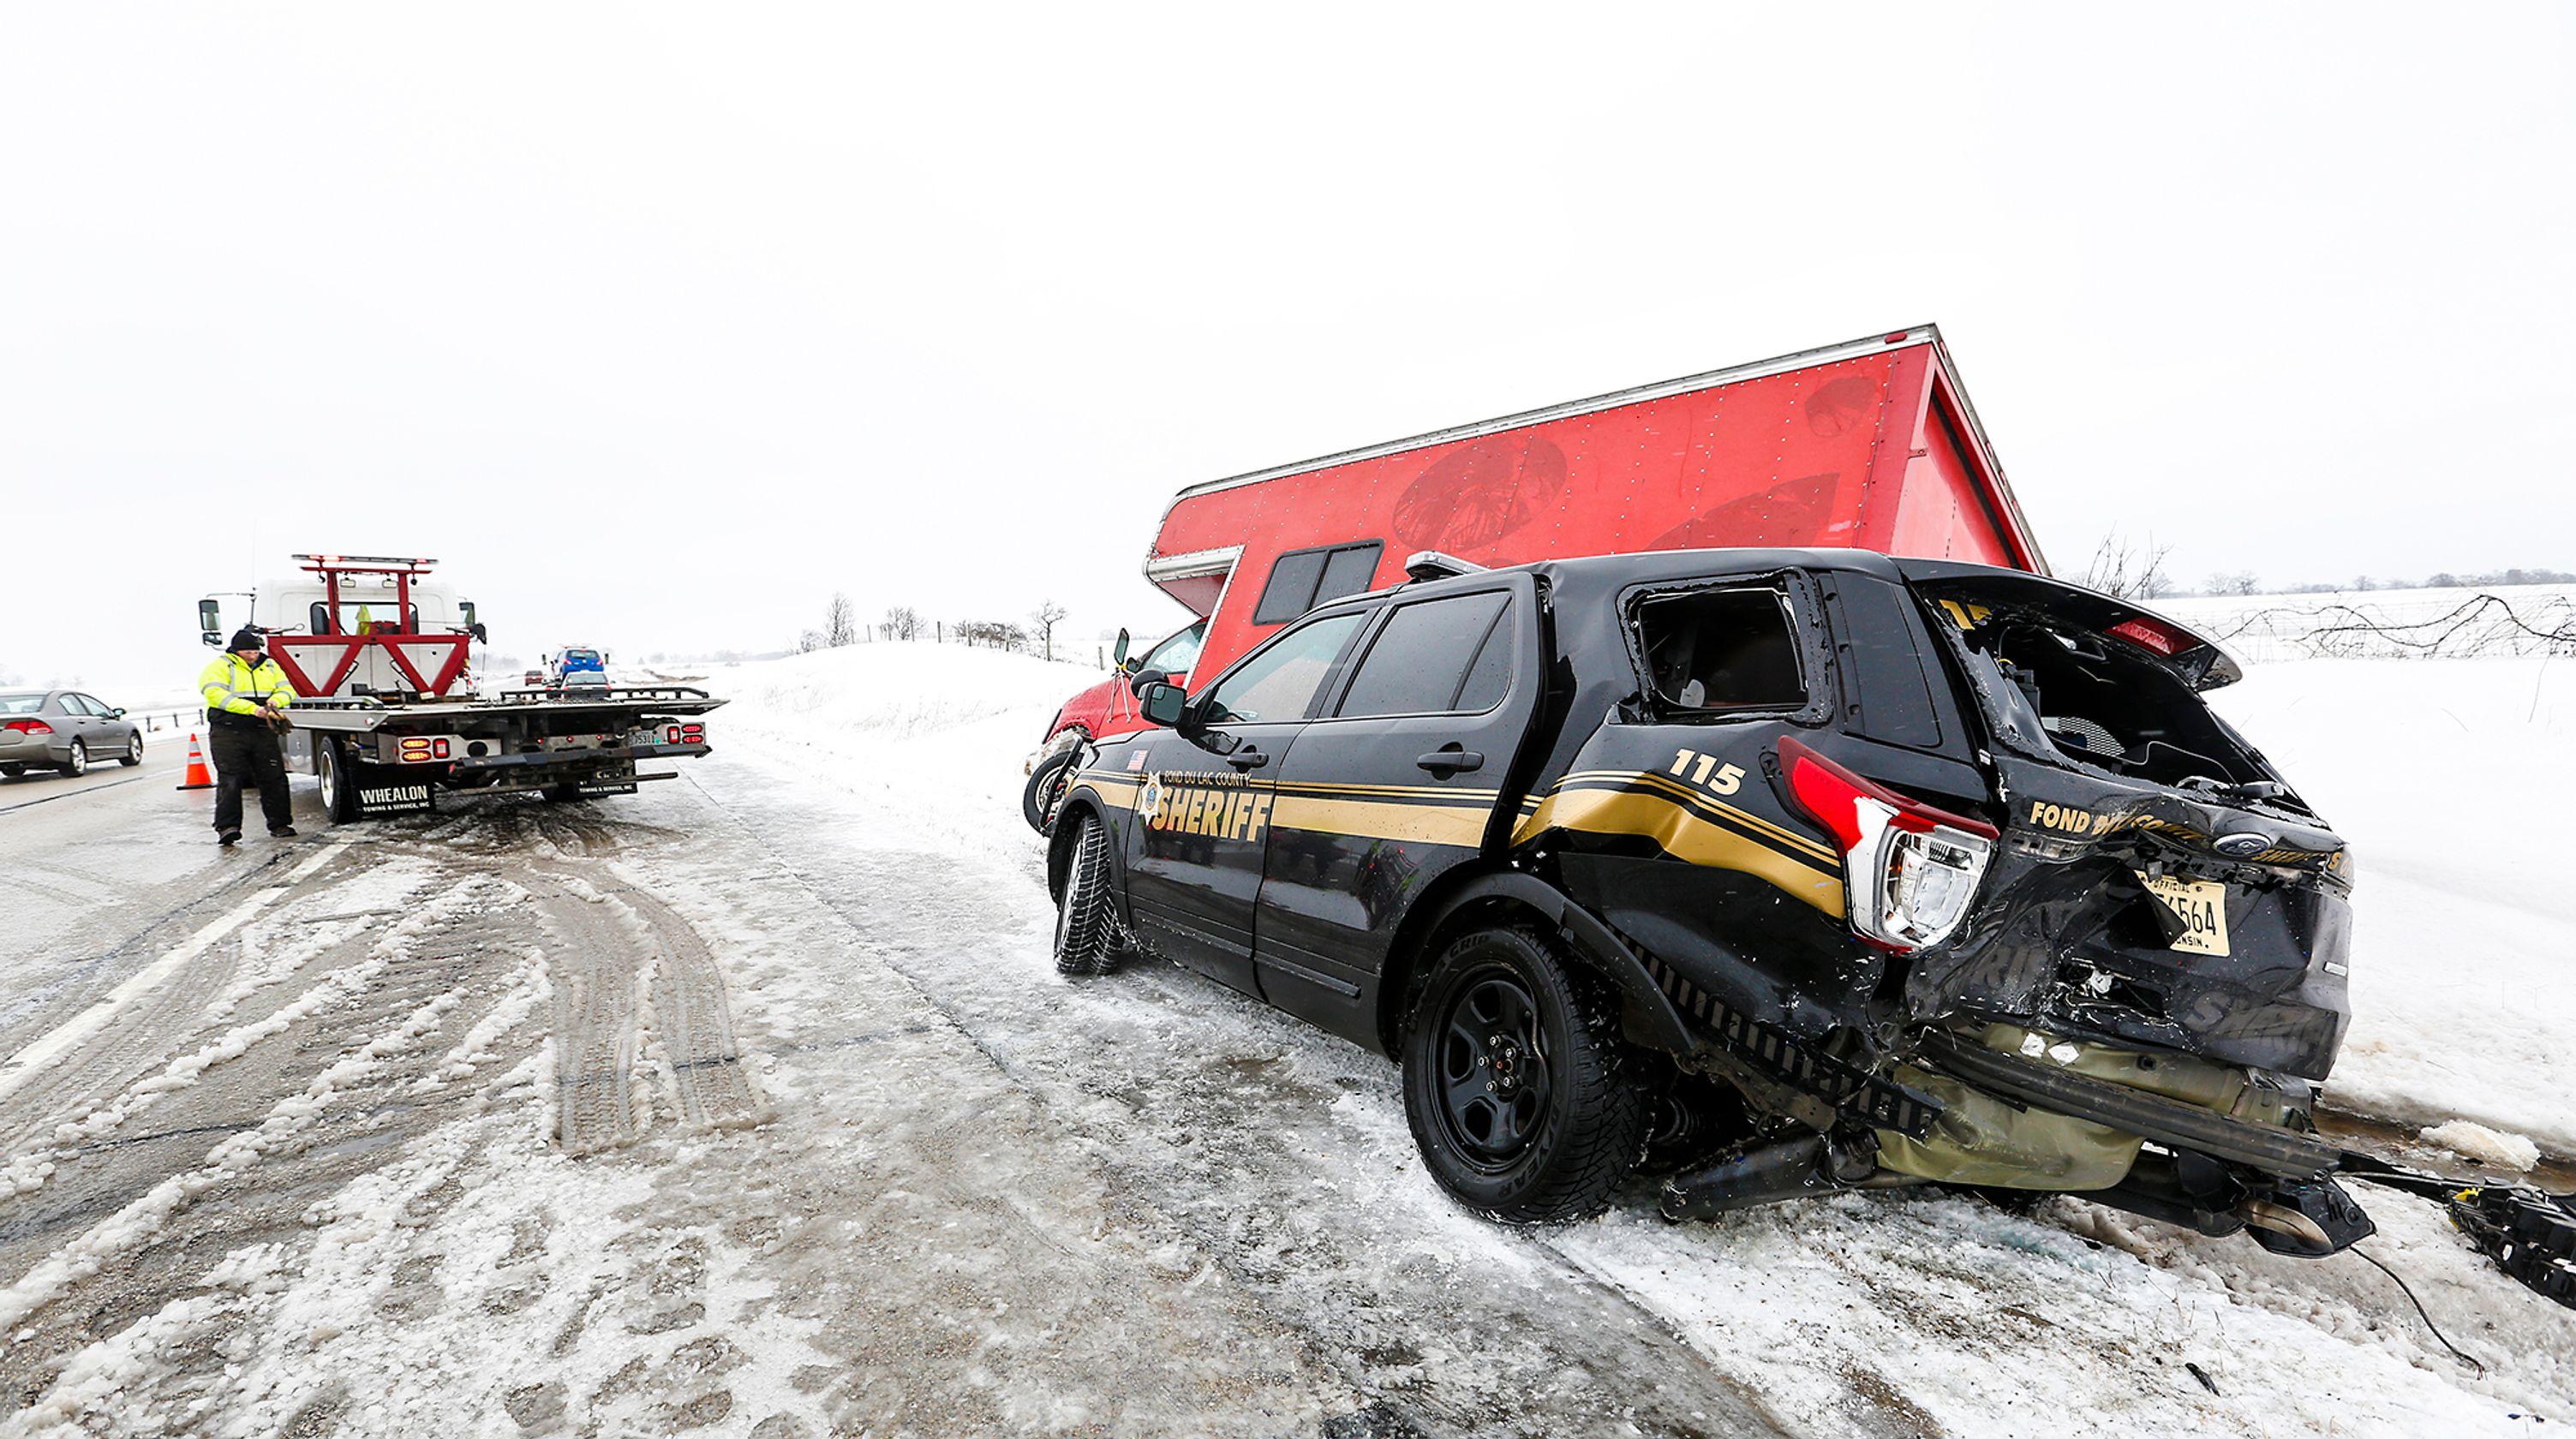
{"x":247,"y":638}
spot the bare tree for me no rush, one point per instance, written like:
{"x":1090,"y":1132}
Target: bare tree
{"x":809,"y":642}
{"x":2234,"y":582}
{"x":1047,"y":614}
{"x":2129,"y":571}
{"x":901,"y":622}
{"x":841,"y":623}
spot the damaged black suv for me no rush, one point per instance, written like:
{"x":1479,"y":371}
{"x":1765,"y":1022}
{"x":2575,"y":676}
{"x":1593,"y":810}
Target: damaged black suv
{"x":1780,"y":871}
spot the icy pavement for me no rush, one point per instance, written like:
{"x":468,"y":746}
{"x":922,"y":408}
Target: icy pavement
{"x":751,"y":1105}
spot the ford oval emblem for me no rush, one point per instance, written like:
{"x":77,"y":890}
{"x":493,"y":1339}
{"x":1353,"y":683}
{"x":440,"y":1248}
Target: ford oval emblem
{"x":2243,"y":843}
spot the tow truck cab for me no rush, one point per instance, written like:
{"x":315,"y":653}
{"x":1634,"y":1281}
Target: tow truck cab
{"x":1891,"y":871}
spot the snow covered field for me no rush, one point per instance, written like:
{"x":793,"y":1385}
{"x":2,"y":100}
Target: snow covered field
{"x":752,"y":1105}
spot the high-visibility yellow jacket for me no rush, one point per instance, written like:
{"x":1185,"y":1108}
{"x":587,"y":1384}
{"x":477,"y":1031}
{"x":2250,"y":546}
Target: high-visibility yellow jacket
{"x":232,"y":687}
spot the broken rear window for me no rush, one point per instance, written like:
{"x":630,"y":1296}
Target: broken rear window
{"x":1715,"y":651}
{"x":2059,"y":691}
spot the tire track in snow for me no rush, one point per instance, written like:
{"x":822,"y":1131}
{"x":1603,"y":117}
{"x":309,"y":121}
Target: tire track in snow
{"x":424,"y":987}
{"x":127,"y":1039}
{"x":637,"y":991}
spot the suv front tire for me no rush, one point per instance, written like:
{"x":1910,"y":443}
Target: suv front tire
{"x":1085,"y":927}
{"x":1521,"y":1094}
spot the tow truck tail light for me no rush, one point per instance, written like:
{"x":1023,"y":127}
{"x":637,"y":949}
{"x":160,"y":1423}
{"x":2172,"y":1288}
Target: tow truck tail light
{"x":29,"y":727}
{"x":684,"y":734}
{"x":423,"y":749}
{"x":1910,"y":869}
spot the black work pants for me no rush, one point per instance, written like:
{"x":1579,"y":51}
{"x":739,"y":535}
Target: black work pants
{"x":248,"y":754}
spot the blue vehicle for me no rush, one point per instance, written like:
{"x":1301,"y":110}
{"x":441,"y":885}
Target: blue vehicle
{"x":576,"y":668}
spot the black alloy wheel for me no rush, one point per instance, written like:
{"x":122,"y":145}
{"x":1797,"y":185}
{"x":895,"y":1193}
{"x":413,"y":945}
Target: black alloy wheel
{"x":1526,"y":1103}
{"x":1493,"y":1069}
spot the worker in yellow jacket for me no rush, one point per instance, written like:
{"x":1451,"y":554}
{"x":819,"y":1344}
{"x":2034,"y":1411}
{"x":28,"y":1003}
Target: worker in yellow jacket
{"x":246,"y":695}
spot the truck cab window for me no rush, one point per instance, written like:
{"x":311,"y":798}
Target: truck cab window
{"x":1420,"y":661}
{"x":1279,"y":681}
{"x":1174,"y":656}
{"x":1302,"y":579}
{"x":1720,"y":650}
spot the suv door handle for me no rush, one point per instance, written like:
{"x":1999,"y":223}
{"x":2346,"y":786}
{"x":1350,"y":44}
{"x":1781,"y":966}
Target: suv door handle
{"x":1450,"y":759}
{"x":1247,"y":758}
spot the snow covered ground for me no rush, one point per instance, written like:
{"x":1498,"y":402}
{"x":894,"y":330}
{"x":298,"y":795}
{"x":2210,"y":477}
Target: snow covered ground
{"x":752,"y":1105}
{"x":1971,"y":1320}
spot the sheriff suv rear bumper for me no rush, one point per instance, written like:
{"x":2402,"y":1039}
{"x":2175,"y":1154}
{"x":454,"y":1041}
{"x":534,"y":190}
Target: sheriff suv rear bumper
{"x":2168,"y":1122}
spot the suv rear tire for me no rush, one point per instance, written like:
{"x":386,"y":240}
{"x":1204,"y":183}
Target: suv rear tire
{"x":1527,"y":1105}
{"x":1084,"y":925}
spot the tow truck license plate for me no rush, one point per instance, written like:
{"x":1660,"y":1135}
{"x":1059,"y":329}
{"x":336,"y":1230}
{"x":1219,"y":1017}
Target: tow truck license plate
{"x":2200,"y":905}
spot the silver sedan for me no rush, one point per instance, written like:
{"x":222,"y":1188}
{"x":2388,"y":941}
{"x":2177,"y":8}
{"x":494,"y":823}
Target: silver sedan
{"x":64,"y":730}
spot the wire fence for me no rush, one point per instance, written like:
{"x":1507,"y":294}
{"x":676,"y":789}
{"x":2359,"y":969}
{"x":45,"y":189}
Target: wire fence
{"x":2417,"y":624}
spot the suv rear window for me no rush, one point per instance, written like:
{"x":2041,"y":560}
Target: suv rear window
{"x":2060,"y":691}
{"x":1719,"y":650}
{"x":1302,"y":579}
{"x":1428,"y":657}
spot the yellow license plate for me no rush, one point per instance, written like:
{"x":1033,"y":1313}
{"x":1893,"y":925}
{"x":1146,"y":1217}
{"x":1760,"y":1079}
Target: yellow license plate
{"x":2201,"y":907}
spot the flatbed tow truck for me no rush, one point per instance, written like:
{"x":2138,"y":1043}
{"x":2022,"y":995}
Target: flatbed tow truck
{"x":387,"y":715}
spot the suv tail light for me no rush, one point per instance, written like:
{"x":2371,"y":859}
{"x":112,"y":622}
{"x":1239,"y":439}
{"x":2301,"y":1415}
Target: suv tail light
{"x":1910,"y":869}
{"x":29,"y":726}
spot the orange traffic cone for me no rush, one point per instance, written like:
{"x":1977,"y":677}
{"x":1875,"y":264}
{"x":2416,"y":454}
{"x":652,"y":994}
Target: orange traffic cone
{"x":197,"y":777}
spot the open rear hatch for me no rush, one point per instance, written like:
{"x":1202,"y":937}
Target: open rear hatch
{"x":2157,"y":884}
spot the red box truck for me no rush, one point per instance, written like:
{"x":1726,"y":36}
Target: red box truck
{"x":1870,"y":444}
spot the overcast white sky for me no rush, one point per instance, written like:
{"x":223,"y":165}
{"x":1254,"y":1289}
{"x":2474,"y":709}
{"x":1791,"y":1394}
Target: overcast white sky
{"x":658,"y":325}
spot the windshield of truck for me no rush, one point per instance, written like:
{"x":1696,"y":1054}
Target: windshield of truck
{"x":359,"y":617}
{"x":1174,"y":656}
{"x":2060,"y":692}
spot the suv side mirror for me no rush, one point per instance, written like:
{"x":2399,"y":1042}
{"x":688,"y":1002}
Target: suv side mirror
{"x":1162,"y":703}
{"x":1146,"y":675}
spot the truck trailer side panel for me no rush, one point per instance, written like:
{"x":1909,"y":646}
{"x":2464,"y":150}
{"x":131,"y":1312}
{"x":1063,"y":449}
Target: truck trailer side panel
{"x":1866,"y":445}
